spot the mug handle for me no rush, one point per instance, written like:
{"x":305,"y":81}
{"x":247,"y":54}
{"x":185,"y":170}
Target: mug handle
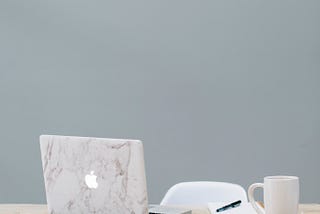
{"x":251,"y":189}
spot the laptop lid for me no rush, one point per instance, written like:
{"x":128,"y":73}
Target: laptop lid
{"x":93,"y":175}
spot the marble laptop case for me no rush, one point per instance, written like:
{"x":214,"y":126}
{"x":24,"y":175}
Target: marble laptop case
{"x":93,"y":175}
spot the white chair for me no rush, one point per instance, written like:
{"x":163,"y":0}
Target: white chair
{"x":200,"y":193}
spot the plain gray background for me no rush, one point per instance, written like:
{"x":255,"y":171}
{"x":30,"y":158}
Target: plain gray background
{"x":217,"y":90}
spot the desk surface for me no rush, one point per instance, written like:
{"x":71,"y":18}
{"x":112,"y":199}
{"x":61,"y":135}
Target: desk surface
{"x":42,"y":209}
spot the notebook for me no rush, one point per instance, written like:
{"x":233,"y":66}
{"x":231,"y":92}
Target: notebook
{"x":159,"y":209}
{"x":244,"y":208}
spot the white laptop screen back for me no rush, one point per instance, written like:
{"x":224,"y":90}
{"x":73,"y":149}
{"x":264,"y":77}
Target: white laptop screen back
{"x":93,"y":175}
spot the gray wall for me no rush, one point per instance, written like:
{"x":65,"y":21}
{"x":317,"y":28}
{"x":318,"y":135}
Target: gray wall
{"x":217,"y":90}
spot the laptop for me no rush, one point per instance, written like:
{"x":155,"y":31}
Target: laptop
{"x":93,"y":175}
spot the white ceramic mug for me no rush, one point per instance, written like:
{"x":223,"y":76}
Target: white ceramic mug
{"x":280,"y":193}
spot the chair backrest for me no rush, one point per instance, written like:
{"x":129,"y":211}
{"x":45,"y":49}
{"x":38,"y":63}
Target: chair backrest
{"x":200,"y":193}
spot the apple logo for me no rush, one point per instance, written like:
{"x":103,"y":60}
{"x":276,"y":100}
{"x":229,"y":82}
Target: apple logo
{"x":91,"y":180}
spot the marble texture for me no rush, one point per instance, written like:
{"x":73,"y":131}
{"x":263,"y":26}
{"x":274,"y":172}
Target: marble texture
{"x":118,"y":165}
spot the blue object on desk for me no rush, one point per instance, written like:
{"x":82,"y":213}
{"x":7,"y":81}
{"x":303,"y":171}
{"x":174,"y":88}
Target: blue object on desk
{"x":229,"y":206}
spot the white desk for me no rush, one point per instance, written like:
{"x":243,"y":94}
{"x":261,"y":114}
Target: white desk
{"x":42,"y":209}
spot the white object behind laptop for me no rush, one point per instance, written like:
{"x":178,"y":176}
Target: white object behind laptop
{"x":94,"y":175}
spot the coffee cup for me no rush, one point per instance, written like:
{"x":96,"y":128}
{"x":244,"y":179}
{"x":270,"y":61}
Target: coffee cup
{"x":280,"y":193}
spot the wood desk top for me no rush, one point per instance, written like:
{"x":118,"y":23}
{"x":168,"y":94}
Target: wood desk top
{"x":42,"y":209}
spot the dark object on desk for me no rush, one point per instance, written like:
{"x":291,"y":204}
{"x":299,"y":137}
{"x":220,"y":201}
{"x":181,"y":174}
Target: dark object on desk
{"x":229,"y":206}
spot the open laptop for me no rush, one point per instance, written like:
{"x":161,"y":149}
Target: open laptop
{"x":94,"y":175}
